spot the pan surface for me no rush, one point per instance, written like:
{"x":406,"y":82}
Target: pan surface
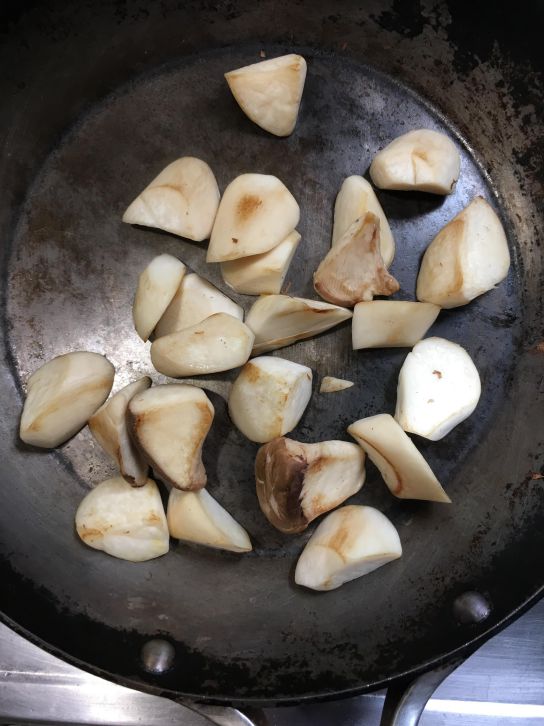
{"x":241,"y":629}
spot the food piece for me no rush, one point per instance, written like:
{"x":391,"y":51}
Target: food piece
{"x":297,"y":482}
{"x":157,"y":285}
{"x":349,"y":543}
{"x":269,"y":92}
{"x":269,"y":396}
{"x":109,"y":427}
{"x":197,"y":517}
{"x":402,"y":467}
{"x":468,"y":257}
{"x":422,"y":160}
{"x":261,"y":274}
{"x":279,"y":320}
{"x":182,"y":200}
{"x":62,"y":395}
{"x":124,"y":521}
{"x":330,"y":384}
{"x":218,"y":343}
{"x":195,"y":300}
{"x":256,"y":213}
{"x":353,"y":269}
{"x":169,"y":424}
{"x":391,"y":323}
{"x":355,"y":198}
{"x":439,"y":387}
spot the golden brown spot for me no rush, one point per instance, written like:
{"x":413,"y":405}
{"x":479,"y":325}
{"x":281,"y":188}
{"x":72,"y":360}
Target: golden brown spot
{"x":234,"y":240}
{"x":153,"y":518}
{"x":252,"y":373}
{"x":247,"y":206}
{"x":438,"y":374}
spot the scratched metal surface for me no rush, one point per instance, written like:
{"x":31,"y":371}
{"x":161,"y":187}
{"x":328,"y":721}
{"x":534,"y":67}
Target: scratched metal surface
{"x":241,"y":629}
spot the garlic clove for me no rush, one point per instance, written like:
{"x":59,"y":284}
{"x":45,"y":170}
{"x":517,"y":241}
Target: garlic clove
{"x":157,"y":285}
{"x":439,"y":386}
{"x":329,"y":384}
{"x":391,"y":323}
{"x":350,"y":542}
{"x":269,"y":92}
{"x":169,"y":424}
{"x":269,"y":397}
{"x":62,"y":395}
{"x":124,"y":521}
{"x":261,"y":274}
{"x":401,"y":465}
{"x":420,"y":160}
{"x":183,"y":199}
{"x":197,"y":517}
{"x":218,"y":343}
{"x":256,"y":213}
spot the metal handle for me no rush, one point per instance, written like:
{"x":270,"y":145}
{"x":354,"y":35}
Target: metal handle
{"x":406,"y":700}
{"x":219,"y":715}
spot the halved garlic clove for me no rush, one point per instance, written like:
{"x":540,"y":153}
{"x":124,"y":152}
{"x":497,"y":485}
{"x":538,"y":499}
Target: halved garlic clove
{"x":355,"y":198}
{"x":256,"y":213}
{"x":330,"y":384}
{"x":439,"y":387}
{"x":401,"y":465}
{"x":124,"y":521}
{"x":169,"y":424}
{"x":420,"y":160}
{"x":62,"y":395}
{"x":353,"y":269}
{"x":195,"y":300}
{"x":218,"y":343}
{"x":183,"y":199}
{"x":269,"y":396}
{"x":261,"y":274}
{"x":157,"y":285}
{"x":109,"y":427}
{"x":391,"y":323}
{"x":349,"y":543}
{"x":269,"y":92}
{"x":298,"y":482}
{"x":197,"y":517}
{"x":279,"y":320}
{"x":468,"y":257}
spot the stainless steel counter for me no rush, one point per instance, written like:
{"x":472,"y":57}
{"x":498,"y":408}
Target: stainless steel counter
{"x":500,"y":685}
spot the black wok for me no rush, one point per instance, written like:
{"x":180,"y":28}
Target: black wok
{"x":96,"y":99}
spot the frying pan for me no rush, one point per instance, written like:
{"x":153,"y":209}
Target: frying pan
{"x":96,"y":99}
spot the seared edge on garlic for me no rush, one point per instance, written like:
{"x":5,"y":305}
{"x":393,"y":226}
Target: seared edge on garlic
{"x":391,"y":323}
{"x":157,"y":285}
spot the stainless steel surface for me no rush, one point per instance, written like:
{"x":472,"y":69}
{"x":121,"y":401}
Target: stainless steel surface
{"x":500,"y":685}
{"x":157,"y":655}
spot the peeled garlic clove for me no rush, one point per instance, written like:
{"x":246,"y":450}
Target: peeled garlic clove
{"x":157,"y":285}
{"x":183,"y":199}
{"x":349,"y":543}
{"x":195,"y":300}
{"x":298,"y":482}
{"x":269,"y":397}
{"x":329,"y":384}
{"x":261,"y":274}
{"x":62,"y":395}
{"x":169,"y":424}
{"x":421,"y":160}
{"x":256,"y":213}
{"x":391,"y":323}
{"x":355,"y":198}
{"x":198,"y":517}
{"x":279,"y":320}
{"x":353,"y":269}
{"x":402,"y":467}
{"x":439,"y":387}
{"x":269,"y":92}
{"x":218,"y":343}
{"x":468,"y":257}
{"x":109,"y":428}
{"x":124,"y":521}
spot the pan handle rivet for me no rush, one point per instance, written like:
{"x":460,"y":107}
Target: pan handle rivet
{"x":471,"y":607}
{"x":157,"y":656}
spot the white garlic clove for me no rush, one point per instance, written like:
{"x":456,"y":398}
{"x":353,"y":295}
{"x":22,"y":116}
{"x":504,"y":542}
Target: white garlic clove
{"x":183,"y":199}
{"x":157,"y":285}
{"x":391,"y":323}
{"x":62,"y":395}
{"x":330,"y":384}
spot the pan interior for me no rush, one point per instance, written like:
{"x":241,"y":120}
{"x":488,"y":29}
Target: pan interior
{"x":240,"y":626}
